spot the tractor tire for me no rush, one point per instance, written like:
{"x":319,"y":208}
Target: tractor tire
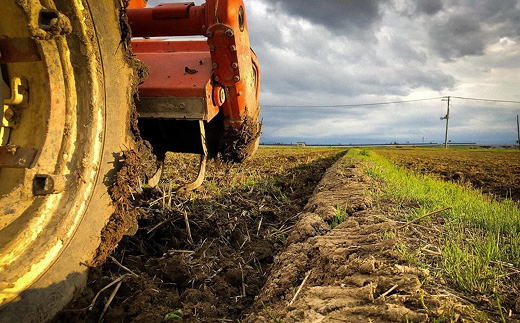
{"x":79,"y":100}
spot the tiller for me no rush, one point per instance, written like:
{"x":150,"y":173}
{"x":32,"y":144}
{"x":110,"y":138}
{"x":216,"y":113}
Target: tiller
{"x":201,"y":95}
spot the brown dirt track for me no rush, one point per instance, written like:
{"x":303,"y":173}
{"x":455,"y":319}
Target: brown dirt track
{"x":495,"y":172}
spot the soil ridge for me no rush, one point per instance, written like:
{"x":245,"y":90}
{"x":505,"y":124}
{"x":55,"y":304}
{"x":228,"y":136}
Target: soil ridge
{"x":353,"y":271}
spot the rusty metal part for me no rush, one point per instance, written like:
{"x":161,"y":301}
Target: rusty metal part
{"x":202,"y":165}
{"x":19,"y":49}
{"x":12,"y":156}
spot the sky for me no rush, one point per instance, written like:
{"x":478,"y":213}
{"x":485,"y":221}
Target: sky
{"x":342,"y":52}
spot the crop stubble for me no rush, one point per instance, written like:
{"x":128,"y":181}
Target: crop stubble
{"x":255,"y":244}
{"x":239,"y":221}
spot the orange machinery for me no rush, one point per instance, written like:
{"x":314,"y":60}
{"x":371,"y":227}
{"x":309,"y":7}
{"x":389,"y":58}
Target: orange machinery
{"x":197,"y":88}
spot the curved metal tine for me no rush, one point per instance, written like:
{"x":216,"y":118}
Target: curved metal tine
{"x":198,"y":181}
{"x":156,"y":178}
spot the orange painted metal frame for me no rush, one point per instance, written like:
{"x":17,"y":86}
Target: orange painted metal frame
{"x":180,"y":69}
{"x":234,"y":65}
{"x":168,"y":19}
{"x":136,"y":4}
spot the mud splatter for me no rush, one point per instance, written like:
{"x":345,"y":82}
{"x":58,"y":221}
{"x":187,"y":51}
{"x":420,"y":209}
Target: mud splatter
{"x":239,"y":145}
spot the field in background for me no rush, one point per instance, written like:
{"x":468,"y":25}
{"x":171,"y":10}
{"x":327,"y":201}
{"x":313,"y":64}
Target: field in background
{"x":494,"y":171}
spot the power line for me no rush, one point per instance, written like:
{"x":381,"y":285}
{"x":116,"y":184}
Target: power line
{"x":486,"y":100}
{"x":350,"y":105}
{"x":386,"y":103}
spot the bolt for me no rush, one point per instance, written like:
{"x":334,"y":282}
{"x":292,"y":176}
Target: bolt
{"x":222,"y":95}
{"x":229,"y":33}
{"x":209,"y":34}
{"x":11,"y":149}
{"x":182,"y":105}
{"x":234,"y":65}
{"x":9,"y":115}
{"x":21,"y":161}
{"x":212,"y":48}
{"x":236,"y":78}
{"x":217,"y":78}
{"x":215,"y":65}
{"x":233,"y":48}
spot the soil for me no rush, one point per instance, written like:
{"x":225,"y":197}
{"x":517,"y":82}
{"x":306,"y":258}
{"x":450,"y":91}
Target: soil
{"x":494,"y":172}
{"x":138,"y":164}
{"x":354,"y":271}
{"x":239,"y":145}
{"x":292,"y":236}
{"x":239,"y":221}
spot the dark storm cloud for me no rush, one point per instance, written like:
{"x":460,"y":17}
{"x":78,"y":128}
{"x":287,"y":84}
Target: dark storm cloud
{"x":457,"y":37}
{"x":429,"y":7}
{"x":340,"y":16}
{"x":467,"y":27}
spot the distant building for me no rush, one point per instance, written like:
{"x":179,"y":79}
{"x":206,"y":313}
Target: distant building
{"x":301,"y":144}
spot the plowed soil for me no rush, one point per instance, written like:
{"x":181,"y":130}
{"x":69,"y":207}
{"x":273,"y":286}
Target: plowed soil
{"x":352,"y":272}
{"x":239,"y":220}
{"x":494,"y":172}
{"x":292,"y":236}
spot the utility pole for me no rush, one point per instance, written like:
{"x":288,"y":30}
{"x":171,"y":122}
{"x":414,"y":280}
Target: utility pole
{"x":447,"y":118}
{"x":518,"y":129}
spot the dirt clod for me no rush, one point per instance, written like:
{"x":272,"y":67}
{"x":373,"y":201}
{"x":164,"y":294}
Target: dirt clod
{"x":239,"y":145}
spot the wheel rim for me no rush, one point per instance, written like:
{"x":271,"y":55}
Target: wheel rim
{"x":64,"y":120}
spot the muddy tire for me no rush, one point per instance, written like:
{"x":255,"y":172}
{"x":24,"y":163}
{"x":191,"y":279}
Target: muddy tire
{"x":77,"y":116}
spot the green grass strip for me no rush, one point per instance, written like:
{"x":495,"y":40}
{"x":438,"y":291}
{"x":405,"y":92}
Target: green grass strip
{"x":482,"y":234}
